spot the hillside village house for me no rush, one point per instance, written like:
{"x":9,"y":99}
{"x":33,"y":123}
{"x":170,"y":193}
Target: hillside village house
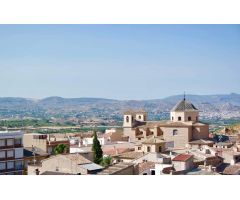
{"x":184,"y":126}
{"x":183,"y":162}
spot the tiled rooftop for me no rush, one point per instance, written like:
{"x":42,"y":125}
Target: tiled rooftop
{"x":182,"y":157}
{"x":145,"y":166}
{"x":184,"y":105}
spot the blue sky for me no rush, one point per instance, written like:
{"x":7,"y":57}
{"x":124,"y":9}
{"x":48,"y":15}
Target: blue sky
{"x":118,"y":61}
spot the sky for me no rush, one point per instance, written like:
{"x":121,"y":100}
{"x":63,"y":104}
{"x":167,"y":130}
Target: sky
{"x":118,"y":61}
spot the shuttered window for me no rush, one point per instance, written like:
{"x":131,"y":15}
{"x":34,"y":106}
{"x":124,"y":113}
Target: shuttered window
{"x":2,"y":154}
{"x":2,"y":165}
{"x":10,"y":165}
{"x":2,"y":143}
{"x":9,"y":142}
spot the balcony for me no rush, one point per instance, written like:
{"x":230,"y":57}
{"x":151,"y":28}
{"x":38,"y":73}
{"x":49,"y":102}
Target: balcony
{"x":10,"y":170}
{"x":18,"y":145}
{"x":19,"y":168}
{"x":2,"y":170}
{"x":7,"y":147}
{"x":11,"y":146}
{"x":10,"y":158}
{"x":3,"y":159}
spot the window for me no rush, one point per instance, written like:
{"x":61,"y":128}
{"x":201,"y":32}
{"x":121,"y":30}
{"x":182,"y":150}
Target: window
{"x":139,"y":117}
{"x":179,"y":118}
{"x":127,"y":119}
{"x":2,"y":143}
{"x":10,"y":165}
{"x":10,"y":154}
{"x":196,"y":118}
{"x":175,"y":132}
{"x":152,"y":172}
{"x":139,"y":138}
{"x":172,"y":118}
{"x":160,"y":149}
{"x":18,"y":141}
{"x":145,"y":174}
{"x":139,"y":148}
{"x":2,"y":154}
{"x":9,"y":142}
{"x":19,"y":153}
{"x":148,"y":149}
{"x":19,"y":165}
{"x":2,"y":165}
{"x":189,"y":119}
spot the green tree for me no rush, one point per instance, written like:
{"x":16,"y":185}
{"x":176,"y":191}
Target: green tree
{"x":61,"y":148}
{"x":106,"y":161}
{"x":97,"y":149}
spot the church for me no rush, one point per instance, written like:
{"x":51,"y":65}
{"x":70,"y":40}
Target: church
{"x":182,"y":127}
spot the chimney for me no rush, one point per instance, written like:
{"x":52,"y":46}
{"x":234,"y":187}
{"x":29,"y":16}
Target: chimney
{"x":116,"y":150}
{"x":37,"y":171}
{"x":80,"y":142}
{"x":210,"y":168}
{"x":205,"y":164}
{"x":155,"y":131}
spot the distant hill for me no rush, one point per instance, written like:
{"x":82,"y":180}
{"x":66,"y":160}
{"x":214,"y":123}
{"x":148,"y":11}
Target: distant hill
{"x":212,"y":106}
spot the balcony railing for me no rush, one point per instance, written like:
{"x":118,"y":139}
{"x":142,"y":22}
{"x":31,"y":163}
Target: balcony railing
{"x":18,"y":145}
{"x":10,"y":170}
{"x":2,"y":159}
{"x":11,"y":146}
{"x":19,"y":168}
{"x":7,"y":147}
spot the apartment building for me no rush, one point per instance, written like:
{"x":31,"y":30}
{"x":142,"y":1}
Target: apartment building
{"x":45,"y":142}
{"x":11,"y":153}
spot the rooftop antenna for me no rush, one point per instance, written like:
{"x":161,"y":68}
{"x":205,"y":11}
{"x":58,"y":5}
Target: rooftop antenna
{"x":6,"y":126}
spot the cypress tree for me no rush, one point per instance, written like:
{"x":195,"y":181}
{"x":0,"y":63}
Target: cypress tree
{"x":97,"y":150}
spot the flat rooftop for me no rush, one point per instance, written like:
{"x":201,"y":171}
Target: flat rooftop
{"x":6,"y":134}
{"x":115,"y":168}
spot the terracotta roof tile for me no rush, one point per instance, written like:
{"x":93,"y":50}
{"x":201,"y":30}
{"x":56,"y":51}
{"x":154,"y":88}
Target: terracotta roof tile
{"x":182,"y":157}
{"x":145,"y":166}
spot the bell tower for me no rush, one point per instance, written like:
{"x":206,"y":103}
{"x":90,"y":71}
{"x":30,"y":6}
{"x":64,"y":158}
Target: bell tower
{"x":128,"y":119}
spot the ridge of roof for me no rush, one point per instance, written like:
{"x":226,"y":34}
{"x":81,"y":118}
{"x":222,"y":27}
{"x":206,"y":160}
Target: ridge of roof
{"x":184,"y":105}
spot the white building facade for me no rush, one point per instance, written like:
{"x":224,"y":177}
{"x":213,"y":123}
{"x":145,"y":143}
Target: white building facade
{"x":11,"y":153}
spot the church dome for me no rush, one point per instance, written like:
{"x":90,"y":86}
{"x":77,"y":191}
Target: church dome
{"x":184,"y":105}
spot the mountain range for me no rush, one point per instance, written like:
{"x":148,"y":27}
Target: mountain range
{"x":211,"y":106}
